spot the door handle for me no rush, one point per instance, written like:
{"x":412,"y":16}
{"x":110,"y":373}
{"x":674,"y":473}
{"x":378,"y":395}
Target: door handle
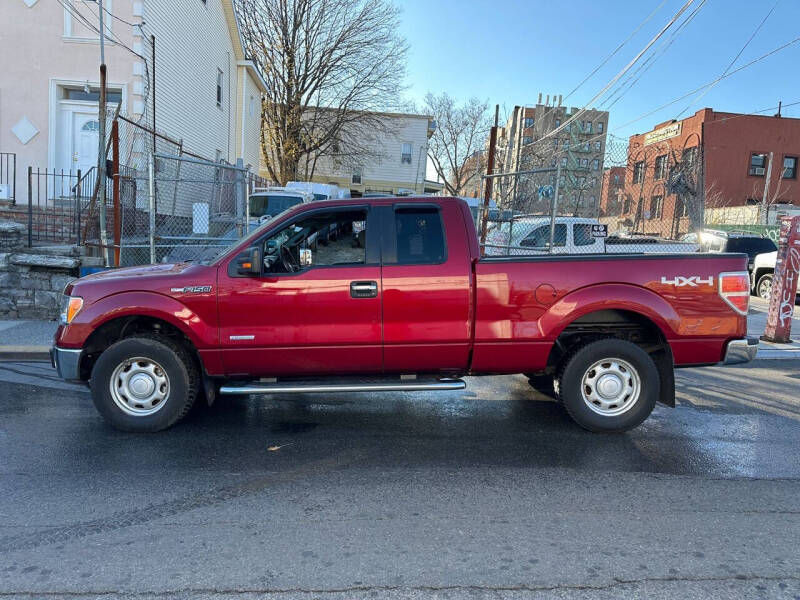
{"x":364,"y":289}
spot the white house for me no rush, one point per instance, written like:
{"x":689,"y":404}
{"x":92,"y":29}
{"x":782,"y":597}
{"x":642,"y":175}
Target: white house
{"x":207,"y":93}
{"x":399,"y":165}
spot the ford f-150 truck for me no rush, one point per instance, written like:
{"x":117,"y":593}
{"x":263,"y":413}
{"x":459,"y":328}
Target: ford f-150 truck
{"x":413,"y":307}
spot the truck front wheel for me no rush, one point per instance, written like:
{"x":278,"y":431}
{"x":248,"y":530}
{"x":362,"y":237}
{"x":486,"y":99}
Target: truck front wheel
{"x":609,"y":386}
{"x":144,"y":383}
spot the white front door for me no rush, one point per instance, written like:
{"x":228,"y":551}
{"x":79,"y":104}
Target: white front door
{"x":85,"y":139}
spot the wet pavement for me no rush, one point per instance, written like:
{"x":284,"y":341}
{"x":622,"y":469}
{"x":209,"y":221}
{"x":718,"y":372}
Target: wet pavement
{"x":489,"y":492}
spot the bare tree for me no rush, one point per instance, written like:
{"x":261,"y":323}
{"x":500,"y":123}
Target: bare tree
{"x":455,"y":148}
{"x":330,"y":67}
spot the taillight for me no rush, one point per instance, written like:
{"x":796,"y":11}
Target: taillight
{"x":734,"y":288}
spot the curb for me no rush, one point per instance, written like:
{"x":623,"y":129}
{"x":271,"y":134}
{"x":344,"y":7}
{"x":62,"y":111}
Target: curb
{"x":777,"y":353}
{"x":33,"y":353}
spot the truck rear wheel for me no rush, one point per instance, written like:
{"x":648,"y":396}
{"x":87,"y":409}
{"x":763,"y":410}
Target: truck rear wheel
{"x":144,"y":383}
{"x":609,"y":386}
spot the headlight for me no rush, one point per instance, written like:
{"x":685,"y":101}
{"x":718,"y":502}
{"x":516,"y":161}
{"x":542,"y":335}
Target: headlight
{"x":70,"y":307}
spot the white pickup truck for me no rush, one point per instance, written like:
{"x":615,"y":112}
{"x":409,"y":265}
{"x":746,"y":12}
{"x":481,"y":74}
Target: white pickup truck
{"x":572,"y":235}
{"x":761,"y":275}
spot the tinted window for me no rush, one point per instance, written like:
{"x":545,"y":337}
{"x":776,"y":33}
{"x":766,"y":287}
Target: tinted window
{"x":583,"y":234}
{"x":540,"y":237}
{"x":750,"y":246}
{"x":420,"y":236}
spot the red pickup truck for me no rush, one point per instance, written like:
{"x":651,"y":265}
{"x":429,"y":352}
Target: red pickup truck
{"x":399,"y":299}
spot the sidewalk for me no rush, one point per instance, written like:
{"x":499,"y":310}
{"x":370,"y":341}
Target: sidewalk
{"x":31,"y":340}
{"x":757,"y":322}
{"x":26,"y":340}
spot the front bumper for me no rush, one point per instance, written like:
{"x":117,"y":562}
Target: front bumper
{"x":67,"y":362}
{"x":740,"y":351}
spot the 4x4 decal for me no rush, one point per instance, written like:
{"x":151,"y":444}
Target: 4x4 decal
{"x":691,"y":281}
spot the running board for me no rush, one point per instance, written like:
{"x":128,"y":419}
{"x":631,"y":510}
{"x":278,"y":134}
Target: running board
{"x":317,"y":387}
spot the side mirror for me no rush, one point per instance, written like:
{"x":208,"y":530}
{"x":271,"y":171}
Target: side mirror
{"x":306,"y":258}
{"x":249,"y":262}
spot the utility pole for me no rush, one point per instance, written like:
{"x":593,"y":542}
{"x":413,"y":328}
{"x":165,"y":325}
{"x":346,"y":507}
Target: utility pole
{"x":101,"y":150}
{"x":764,"y":201}
{"x":489,"y":170}
{"x":519,"y":116}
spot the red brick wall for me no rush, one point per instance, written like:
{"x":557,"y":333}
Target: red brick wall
{"x":729,"y":141}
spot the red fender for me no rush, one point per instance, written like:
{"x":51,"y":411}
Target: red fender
{"x":611,"y":296}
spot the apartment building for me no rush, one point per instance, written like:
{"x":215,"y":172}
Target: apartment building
{"x":533,"y":138}
{"x":395,"y":164}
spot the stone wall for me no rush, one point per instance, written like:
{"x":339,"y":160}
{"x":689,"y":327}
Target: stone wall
{"x":33,"y":279}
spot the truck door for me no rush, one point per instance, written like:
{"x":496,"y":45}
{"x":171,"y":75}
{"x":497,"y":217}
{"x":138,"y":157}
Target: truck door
{"x":426,"y":283}
{"x":295,"y":318}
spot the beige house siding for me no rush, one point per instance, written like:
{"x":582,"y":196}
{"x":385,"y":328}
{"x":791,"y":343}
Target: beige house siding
{"x":193,"y":45}
{"x":248,"y":114}
{"x":389,"y":173}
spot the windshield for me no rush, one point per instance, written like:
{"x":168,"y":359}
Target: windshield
{"x":271,"y":204}
{"x":223,"y":250}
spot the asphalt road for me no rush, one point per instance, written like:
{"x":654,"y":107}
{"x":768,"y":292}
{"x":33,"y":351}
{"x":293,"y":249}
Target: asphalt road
{"x":487,"y":493}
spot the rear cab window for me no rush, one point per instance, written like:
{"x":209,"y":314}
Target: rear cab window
{"x":419,"y":236}
{"x":540,"y":237}
{"x":582,"y":233}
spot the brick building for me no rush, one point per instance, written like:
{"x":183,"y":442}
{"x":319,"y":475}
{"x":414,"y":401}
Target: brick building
{"x":708,"y":160}
{"x":611,"y":197}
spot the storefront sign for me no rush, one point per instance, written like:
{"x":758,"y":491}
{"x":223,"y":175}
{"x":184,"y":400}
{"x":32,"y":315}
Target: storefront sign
{"x":664,"y":133}
{"x":784,"y":282}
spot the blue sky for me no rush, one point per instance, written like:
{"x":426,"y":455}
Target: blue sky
{"x":508,"y":51}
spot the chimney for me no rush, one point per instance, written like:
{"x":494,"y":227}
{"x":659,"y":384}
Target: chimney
{"x":559,"y":99}
{"x":547,"y":103}
{"x":540,"y":98}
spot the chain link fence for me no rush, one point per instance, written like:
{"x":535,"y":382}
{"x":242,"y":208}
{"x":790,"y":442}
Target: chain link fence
{"x":181,"y":208}
{"x":584,"y":194}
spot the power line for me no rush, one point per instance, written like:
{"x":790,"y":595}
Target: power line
{"x":621,"y":73}
{"x":718,"y":79}
{"x":651,"y":60}
{"x":111,"y":38}
{"x":735,"y":58}
{"x":113,"y":16}
{"x":698,"y":89}
{"x":617,"y":49}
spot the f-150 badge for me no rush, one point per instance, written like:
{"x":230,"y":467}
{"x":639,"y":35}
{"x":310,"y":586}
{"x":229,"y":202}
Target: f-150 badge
{"x":692,"y":281}
{"x":192,"y":289}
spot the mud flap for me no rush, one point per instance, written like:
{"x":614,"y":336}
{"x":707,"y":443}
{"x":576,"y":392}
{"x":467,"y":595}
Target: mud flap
{"x":666,"y":374}
{"x":209,"y":389}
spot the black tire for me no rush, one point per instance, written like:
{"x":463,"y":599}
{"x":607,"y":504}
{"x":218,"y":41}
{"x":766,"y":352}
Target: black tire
{"x":640,"y":366}
{"x":544,"y":384}
{"x":171,"y":362}
{"x":764,"y":286}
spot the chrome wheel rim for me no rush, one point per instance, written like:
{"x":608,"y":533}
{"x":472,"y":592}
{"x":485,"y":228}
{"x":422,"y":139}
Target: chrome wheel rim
{"x":764,"y":289}
{"x":139,"y":386}
{"x":610,"y":387}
